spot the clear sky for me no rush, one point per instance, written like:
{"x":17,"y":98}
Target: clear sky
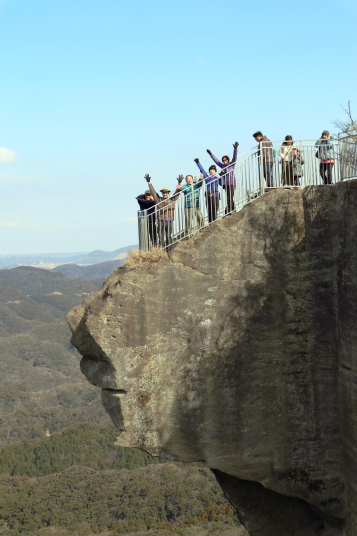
{"x":96,"y":93}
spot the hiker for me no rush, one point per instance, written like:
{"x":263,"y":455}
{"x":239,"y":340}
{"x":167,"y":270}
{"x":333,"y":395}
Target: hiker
{"x":165,"y":210}
{"x":286,"y":154}
{"x":326,"y":155}
{"x":228,"y":180}
{"x":212,"y":181}
{"x":193,"y":215}
{"x":296,"y":163}
{"x":265,"y":152}
{"x":147,"y":219}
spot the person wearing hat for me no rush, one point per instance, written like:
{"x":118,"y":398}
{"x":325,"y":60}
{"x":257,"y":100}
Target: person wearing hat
{"x":165,"y":209}
{"x":147,"y":218}
{"x":325,"y":152}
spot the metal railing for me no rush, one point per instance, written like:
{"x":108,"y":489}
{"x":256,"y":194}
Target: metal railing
{"x":256,"y":172}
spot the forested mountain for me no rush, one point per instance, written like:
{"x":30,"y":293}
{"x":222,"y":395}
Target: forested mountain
{"x":61,"y":472}
{"x":43,"y":260}
{"x":93,"y":271}
{"x":41,"y":386}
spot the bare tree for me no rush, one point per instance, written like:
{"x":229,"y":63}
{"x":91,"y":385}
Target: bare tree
{"x":348,"y":144}
{"x":348,"y":127}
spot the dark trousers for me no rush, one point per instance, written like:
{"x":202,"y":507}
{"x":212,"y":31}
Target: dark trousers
{"x":268,"y":173}
{"x":152,"y":232}
{"x":287,"y":173}
{"x":212,"y":207}
{"x":326,"y":173}
{"x":165,"y":232}
{"x":230,"y":197}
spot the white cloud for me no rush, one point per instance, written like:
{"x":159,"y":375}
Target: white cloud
{"x":16,"y":224}
{"x":6,"y":155}
{"x":10,"y":224}
{"x":130,"y":220}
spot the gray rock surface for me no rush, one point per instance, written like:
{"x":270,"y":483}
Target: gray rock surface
{"x":240,"y":349}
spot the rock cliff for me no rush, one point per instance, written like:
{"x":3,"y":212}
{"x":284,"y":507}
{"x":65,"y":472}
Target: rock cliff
{"x":239,"y":348}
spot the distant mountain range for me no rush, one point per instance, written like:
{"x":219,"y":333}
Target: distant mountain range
{"x":101,"y":270}
{"x":51,"y":260}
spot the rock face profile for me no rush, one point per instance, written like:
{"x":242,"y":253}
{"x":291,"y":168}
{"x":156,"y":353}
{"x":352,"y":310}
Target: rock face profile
{"x":239,"y":348}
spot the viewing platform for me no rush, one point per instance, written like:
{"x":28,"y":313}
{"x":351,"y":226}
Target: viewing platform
{"x":256,"y":172}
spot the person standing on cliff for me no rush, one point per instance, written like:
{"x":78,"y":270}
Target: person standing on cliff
{"x":212,"y":180}
{"x":286,"y":154}
{"x":165,"y":210}
{"x":296,"y":163}
{"x":193,"y":215}
{"x":265,"y":152}
{"x":148,"y":218}
{"x":326,"y":155}
{"x":228,"y":180}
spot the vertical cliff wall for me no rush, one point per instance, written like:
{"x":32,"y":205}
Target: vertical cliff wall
{"x":239,"y":349}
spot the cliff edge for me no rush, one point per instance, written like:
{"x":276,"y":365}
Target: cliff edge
{"x":239,"y":348}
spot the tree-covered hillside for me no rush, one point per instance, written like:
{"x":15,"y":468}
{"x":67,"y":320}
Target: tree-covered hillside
{"x":61,"y":472}
{"x":41,"y":386}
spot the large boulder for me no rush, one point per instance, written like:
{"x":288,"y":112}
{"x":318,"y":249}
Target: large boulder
{"x":239,"y":348}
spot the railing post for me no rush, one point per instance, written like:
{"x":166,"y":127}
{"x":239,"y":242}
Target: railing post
{"x":139,"y":230}
{"x":144,"y":235}
{"x":261,"y":169}
{"x":340,"y":163}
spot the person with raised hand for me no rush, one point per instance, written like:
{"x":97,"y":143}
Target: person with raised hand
{"x":147,"y":219}
{"x":228,"y":179}
{"x":165,"y":210}
{"x":212,"y":180}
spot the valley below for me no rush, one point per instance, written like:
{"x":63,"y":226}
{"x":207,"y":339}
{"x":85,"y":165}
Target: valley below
{"x":61,"y":471}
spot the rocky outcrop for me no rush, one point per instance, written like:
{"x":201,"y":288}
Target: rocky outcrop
{"x":240,"y":349}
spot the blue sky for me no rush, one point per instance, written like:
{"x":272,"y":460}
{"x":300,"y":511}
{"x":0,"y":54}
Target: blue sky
{"x":97,"y":93}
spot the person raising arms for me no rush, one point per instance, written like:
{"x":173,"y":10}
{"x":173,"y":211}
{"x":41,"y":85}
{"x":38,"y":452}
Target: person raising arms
{"x":228,"y":179}
{"x":165,"y":210}
{"x":212,"y":181}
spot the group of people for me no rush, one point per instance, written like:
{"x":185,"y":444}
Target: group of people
{"x":292,"y":161}
{"x":162,"y":207}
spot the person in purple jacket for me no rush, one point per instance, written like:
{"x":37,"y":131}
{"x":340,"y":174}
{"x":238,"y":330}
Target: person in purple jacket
{"x":228,"y":178}
{"x":212,"y":181}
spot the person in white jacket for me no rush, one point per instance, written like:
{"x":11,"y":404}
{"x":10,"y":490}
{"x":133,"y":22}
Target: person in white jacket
{"x":286,"y":154}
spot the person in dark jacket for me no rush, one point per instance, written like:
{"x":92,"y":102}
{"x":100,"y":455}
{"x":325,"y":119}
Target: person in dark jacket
{"x":228,"y":180}
{"x":265,"y":152}
{"x":147,"y":217}
{"x":326,"y":155}
{"x":212,"y":180}
{"x":297,"y":162}
{"x":165,"y":210}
